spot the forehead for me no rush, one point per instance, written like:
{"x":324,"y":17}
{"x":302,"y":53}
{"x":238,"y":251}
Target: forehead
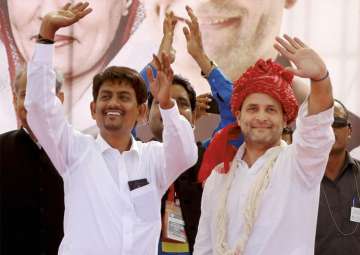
{"x":178,"y":91}
{"x":117,"y":86}
{"x":261,"y":99}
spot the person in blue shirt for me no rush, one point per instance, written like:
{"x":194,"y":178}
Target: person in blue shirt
{"x":186,"y":192}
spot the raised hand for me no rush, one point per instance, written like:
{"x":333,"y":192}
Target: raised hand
{"x":66,"y":16}
{"x":192,"y":34}
{"x":202,"y":105}
{"x":308,"y":63}
{"x":169,"y":25}
{"x":160,"y":87}
{"x":194,"y":43}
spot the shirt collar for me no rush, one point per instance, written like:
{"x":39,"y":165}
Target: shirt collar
{"x":104,"y":146}
{"x":348,"y":165}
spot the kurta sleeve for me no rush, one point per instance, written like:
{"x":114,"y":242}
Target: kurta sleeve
{"x":312,"y":142}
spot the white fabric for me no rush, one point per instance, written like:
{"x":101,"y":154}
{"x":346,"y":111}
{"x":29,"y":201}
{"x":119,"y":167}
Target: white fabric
{"x":355,"y":153}
{"x":287,"y":217}
{"x":7,"y":112}
{"x":102,"y":216}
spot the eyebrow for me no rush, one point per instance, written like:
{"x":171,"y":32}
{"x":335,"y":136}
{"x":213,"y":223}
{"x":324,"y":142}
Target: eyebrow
{"x":181,"y":98}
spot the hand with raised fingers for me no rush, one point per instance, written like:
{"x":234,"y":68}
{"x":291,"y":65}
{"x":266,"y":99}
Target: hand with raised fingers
{"x":160,"y":87}
{"x":194,"y":43}
{"x":308,"y":63}
{"x":169,"y":25}
{"x":202,"y":105}
{"x":193,"y":34}
{"x":66,"y":16}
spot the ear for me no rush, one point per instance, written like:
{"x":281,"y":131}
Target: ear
{"x":93,"y":109}
{"x":60,"y":95}
{"x":237,"y":116}
{"x":143,"y":113}
{"x":289,"y":3}
{"x":193,"y":118}
{"x":349,"y":130}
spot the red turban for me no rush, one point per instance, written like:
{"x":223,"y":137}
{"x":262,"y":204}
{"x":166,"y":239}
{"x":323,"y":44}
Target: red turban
{"x":265,"y":77}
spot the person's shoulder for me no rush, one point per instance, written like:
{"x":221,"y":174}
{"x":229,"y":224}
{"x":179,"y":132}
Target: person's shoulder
{"x":9,"y":134}
{"x":357,"y":163}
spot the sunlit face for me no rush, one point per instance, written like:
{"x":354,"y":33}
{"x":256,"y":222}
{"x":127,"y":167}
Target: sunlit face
{"x":343,"y":133}
{"x":261,"y":120}
{"x":78,"y":48}
{"x":179,"y":94}
{"x":235,"y":32}
{"x":116,"y":109}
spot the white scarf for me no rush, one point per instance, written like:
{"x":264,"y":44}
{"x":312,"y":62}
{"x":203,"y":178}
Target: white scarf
{"x":251,"y":207}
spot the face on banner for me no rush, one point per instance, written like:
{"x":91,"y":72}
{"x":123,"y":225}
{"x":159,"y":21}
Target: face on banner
{"x":245,"y":28}
{"x":93,"y":34}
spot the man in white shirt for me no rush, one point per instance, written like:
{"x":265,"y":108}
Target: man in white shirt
{"x":113,"y":185}
{"x":266,"y":200}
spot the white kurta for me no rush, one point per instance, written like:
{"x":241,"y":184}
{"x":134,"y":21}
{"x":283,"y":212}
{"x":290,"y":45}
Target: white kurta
{"x":286,"y":222}
{"x":102,"y":216}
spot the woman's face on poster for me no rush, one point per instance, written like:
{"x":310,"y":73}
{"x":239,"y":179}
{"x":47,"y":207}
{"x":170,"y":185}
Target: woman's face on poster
{"x":78,"y":48}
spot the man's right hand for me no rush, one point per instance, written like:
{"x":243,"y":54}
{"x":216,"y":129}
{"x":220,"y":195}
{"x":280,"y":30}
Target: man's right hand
{"x":169,"y":25}
{"x":66,"y":16}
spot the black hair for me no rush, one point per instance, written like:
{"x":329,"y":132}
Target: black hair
{"x":183,"y":82}
{"x":119,"y":73}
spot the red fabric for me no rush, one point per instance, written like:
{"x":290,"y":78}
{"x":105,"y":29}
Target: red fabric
{"x":218,"y":150}
{"x":270,"y":78}
{"x":264,"y":77}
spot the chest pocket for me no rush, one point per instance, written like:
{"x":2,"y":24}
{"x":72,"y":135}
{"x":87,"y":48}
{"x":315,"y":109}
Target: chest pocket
{"x":146,"y":202}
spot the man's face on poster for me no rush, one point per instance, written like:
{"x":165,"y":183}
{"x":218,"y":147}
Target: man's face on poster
{"x":235,"y":32}
{"x":78,"y":48}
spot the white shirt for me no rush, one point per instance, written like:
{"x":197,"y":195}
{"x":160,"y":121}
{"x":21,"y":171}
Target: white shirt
{"x":286,"y":221}
{"x":102,"y":216}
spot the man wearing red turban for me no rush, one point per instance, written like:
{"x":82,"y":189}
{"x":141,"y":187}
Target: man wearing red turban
{"x":263,"y":198}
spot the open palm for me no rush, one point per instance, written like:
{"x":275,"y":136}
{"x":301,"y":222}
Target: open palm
{"x":308,"y":63}
{"x":160,"y":86}
{"x":68,"y":15}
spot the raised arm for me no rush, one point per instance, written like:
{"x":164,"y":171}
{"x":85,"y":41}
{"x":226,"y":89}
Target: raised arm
{"x":169,"y":24}
{"x":179,"y":147}
{"x":308,"y":65}
{"x":221,"y":87}
{"x":313,"y":136}
{"x":45,"y":111}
